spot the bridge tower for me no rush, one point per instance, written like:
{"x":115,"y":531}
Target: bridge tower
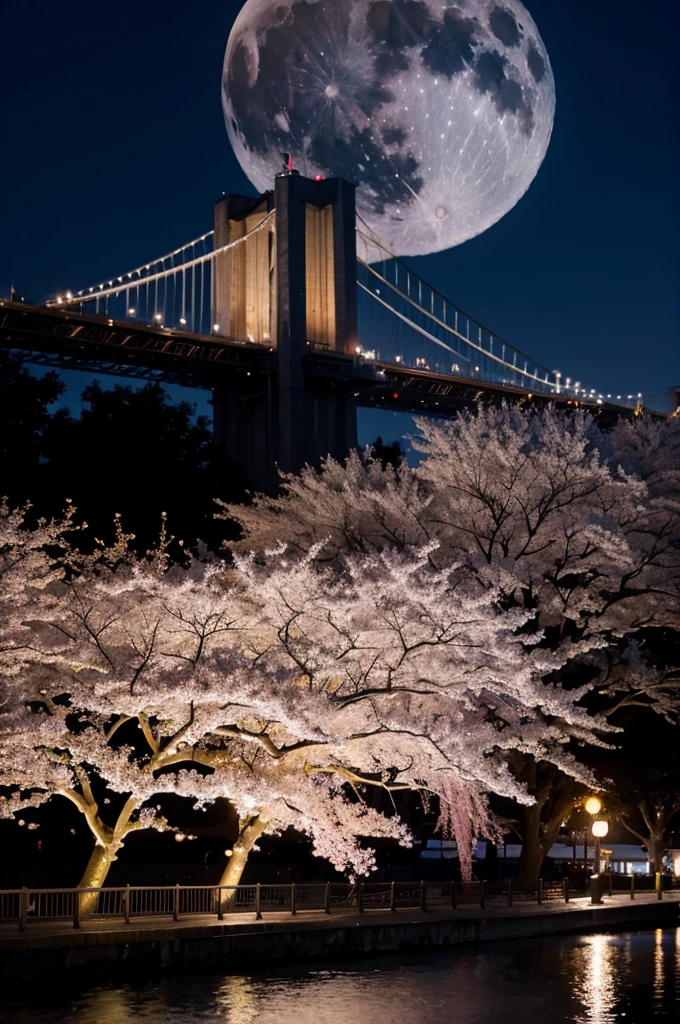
{"x":291,"y":285}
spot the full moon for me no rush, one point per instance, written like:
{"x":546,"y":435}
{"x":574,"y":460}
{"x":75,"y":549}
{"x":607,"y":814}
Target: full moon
{"x":440,"y":112}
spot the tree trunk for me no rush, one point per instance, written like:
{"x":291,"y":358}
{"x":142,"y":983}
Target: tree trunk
{"x":531,"y":858}
{"x":655,"y":848}
{"x":250,"y":831}
{"x":537,"y":839}
{"x":94,"y":877}
{"x":491,"y":862}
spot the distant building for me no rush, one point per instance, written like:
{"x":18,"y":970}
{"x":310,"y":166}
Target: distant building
{"x":623,"y":858}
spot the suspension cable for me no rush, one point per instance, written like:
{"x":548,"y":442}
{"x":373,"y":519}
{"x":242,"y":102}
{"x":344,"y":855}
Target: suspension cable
{"x":371,"y":239}
{"x":446,"y":327}
{"x":120,"y":284}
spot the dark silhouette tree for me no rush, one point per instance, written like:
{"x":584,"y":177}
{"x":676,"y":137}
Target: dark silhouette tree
{"x":129,"y":451}
{"x":387,"y":454}
{"x":26,"y":418}
{"x":135,"y":453}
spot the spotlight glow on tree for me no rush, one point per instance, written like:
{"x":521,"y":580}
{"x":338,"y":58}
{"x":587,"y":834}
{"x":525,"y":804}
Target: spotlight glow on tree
{"x":394,"y":630}
{"x":546,"y":516}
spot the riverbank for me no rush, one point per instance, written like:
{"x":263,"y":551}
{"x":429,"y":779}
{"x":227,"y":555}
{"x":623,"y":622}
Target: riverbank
{"x":98,"y":950}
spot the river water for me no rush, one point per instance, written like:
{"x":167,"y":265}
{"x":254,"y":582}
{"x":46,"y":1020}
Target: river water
{"x":632,"y":978}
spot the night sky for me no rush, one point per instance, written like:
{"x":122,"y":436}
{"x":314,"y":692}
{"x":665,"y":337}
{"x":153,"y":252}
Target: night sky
{"x":114,"y":151}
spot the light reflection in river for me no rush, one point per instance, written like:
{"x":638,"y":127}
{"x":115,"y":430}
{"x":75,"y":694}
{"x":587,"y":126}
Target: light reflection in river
{"x":658,"y":965}
{"x":597,"y":979}
{"x":237,"y":1002}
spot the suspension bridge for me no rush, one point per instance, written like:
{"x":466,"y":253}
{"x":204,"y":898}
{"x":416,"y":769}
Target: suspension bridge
{"x":292,"y":313}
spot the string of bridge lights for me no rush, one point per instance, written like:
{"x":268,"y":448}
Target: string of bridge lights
{"x":125,"y":281}
{"x":534,"y":377}
{"x":87,"y":293}
{"x":140,"y":278}
{"x":537,"y":382}
{"x":556,"y":387}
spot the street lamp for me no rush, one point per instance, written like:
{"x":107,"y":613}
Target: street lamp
{"x":593,"y":806}
{"x":599,"y":830}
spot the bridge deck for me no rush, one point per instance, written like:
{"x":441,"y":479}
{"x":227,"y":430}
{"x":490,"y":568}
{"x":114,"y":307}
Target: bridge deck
{"x":66,"y":339}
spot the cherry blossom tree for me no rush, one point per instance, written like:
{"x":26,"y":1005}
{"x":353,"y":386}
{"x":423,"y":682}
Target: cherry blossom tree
{"x":287,"y":683}
{"x":459,"y":630}
{"x":640,"y":780}
{"x":544,"y":515}
{"x":361,"y":506}
{"x":556,"y":514}
{"x":125,"y":679}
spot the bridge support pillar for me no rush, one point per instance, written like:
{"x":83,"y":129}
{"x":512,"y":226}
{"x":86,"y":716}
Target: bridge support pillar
{"x":244,"y":423}
{"x":248,"y":427}
{"x":329,"y":427}
{"x":299,"y":291}
{"x":317,"y":310}
{"x":244,"y":277}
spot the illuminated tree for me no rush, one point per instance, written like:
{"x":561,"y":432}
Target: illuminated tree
{"x":123,"y":679}
{"x":285,"y":683}
{"x":458,"y":630}
{"x":641,"y":778}
{"x":545,"y":516}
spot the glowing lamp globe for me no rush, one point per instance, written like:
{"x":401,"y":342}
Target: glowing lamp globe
{"x":600,"y":829}
{"x":441,"y":112}
{"x":593,"y":805}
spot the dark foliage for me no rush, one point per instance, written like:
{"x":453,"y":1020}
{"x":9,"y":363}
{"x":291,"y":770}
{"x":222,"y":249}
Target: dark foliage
{"x":387,"y":454}
{"x":130,"y":451}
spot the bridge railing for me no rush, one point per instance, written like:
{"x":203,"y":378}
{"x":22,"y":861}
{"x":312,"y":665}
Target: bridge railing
{"x":27,"y":908}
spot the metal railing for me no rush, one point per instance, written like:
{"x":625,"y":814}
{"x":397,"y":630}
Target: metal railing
{"x":640,"y":883}
{"x":126,"y":904}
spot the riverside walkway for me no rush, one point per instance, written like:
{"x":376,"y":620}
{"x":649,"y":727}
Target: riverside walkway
{"x":155,"y":924}
{"x":105,"y":947}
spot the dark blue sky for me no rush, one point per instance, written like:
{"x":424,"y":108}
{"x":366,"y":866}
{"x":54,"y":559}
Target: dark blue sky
{"x":114,"y":150}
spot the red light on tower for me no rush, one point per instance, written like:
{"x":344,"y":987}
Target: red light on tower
{"x":395,"y":394}
{"x":318,"y":177}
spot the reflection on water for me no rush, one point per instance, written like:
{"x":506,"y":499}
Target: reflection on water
{"x":596,"y":979}
{"x":659,"y":973}
{"x":599,"y":984}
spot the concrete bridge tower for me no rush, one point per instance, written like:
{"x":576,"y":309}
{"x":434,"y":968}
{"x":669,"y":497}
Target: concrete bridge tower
{"x":291,"y":286}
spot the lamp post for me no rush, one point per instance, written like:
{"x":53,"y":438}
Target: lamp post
{"x":599,"y":830}
{"x":593,"y":806}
